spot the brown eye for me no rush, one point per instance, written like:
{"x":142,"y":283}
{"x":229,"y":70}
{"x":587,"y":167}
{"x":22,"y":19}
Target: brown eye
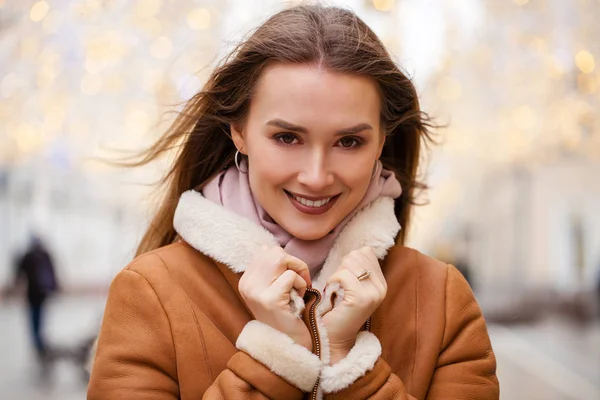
{"x":348,"y":142}
{"x":286,"y":138}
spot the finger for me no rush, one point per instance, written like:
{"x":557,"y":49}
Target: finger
{"x":365,"y":259}
{"x":289,"y":280}
{"x":358,"y":263}
{"x":298,"y":266}
{"x":369,"y":252}
{"x":346,"y":279}
{"x":373,"y":264}
{"x":269,"y":262}
{"x":358,"y":293}
{"x":262,"y":270}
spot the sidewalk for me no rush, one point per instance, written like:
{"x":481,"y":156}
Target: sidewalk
{"x":70,"y":320}
{"x":551,"y":360}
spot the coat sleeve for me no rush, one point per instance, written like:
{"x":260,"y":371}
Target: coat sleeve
{"x":465,"y":369}
{"x":135,"y":356}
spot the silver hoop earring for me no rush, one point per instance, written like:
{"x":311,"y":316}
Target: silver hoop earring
{"x":375,"y":169}
{"x":237,"y":164}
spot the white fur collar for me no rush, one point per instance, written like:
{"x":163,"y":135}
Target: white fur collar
{"x":233,"y":240}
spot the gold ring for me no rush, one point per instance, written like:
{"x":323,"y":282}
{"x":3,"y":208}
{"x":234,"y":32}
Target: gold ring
{"x":364,"y":274}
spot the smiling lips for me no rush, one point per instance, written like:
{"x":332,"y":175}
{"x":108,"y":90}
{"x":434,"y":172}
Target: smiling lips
{"x":312,"y":205}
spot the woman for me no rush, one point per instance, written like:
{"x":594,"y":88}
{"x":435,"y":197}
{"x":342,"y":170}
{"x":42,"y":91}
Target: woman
{"x":274,"y":268}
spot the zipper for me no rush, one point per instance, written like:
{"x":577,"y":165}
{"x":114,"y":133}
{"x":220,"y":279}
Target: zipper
{"x":315,"y":333}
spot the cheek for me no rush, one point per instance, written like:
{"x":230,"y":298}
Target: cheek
{"x":356,"y":173}
{"x":267,"y":170}
{"x":266,"y":162}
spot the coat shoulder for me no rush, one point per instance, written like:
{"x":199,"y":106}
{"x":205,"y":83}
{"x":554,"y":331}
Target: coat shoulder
{"x":177,"y":257}
{"x":407,"y":264}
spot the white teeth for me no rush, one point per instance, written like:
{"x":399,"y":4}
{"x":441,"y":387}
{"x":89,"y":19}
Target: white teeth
{"x":312,"y":203}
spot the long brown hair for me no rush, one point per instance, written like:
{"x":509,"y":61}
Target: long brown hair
{"x":331,"y":37}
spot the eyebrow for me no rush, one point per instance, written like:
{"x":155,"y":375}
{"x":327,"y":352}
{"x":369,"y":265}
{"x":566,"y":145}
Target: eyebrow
{"x":288,"y":126}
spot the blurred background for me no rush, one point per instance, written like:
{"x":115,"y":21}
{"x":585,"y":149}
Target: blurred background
{"x":514,"y":197}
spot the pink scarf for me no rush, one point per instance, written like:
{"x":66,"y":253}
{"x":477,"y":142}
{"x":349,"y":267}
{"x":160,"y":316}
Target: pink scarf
{"x":231,"y":189}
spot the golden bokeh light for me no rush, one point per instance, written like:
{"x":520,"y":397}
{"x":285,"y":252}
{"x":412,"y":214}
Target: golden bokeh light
{"x":199,"y":19}
{"x":150,"y":80}
{"x":586,"y":83}
{"x":518,"y":143}
{"x":29,"y":47}
{"x":538,"y":44}
{"x":384,"y":5}
{"x":93,"y":65}
{"x":525,"y":117}
{"x":117,"y":49}
{"x":572,"y":138}
{"x":47,"y":74}
{"x":585,"y":61}
{"x":161,"y":48}
{"x":28,"y":138}
{"x":150,"y":25}
{"x":108,"y":45}
{"x":147,"y":8}
{"x":39,"y":11}
{"x":137,"y":122}
{"x":554,"y":67}
{"x":114,"y":83}
{"x":449,"y":89}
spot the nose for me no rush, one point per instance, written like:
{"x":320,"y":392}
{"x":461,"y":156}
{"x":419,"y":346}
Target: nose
{"x":315,"y":173}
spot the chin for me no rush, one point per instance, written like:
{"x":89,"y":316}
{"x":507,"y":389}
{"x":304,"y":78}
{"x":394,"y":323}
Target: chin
{"x":305,"y":234}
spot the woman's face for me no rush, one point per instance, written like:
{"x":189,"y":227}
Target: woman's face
{"x":312,"y":138}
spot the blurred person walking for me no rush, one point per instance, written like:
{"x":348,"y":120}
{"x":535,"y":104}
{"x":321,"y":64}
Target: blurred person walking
{"x":35,"y":268}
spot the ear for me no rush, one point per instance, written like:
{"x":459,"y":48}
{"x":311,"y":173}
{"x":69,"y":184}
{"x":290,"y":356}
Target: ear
{"x":237,"y":135}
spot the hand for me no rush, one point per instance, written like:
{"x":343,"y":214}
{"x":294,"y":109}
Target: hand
{"x":361,"y":298}
{"x":266,"y":287}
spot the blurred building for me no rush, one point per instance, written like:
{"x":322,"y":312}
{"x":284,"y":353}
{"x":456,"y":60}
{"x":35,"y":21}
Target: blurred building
{"x":512,"y":182}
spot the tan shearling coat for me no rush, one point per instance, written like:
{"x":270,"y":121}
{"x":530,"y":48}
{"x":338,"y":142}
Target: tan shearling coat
{"x":175,"y":326}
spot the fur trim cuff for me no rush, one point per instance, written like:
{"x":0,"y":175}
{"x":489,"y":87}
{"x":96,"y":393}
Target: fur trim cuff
{"x":277,"y":351}
{"x":357,"y":363}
